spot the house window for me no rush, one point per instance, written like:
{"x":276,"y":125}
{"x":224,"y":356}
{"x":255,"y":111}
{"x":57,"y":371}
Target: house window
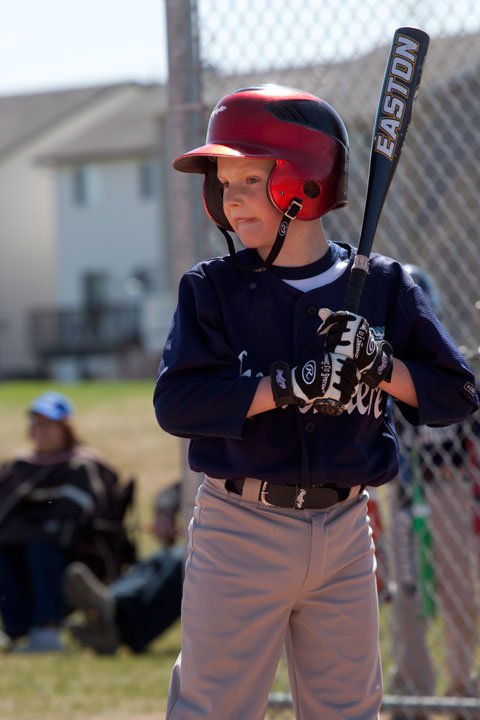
{"x":95,"y":290}
{"x":85,"y":185}
{"x":148,"y":180}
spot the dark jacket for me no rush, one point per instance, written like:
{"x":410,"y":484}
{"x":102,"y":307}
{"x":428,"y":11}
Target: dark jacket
{"x":72,"y":498}
{"x":232,"y":322}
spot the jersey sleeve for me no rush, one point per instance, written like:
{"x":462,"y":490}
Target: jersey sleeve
{"x":444,"y":383}
{"x":199,"y":392}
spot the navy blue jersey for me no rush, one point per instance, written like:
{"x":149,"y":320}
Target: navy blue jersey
{"x":232,"y":321}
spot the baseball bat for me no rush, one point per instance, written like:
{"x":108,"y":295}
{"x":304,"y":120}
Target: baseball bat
{"x":395,"y":107}
{"x":400,"y":85}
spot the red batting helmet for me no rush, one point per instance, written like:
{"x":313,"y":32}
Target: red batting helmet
{"x":302,"y":133}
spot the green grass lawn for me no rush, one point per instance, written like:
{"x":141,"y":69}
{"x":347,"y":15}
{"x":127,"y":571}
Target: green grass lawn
{"x":81,"y":685}
{"x":118,"y":419}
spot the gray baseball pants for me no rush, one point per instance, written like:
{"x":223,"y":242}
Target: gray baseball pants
{"x":260,"y":578}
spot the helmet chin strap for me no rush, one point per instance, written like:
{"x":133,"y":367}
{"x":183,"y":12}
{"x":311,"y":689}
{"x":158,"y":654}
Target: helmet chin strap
{"x":290,"y":214}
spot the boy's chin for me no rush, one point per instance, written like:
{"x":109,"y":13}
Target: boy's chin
{"x":262,"y":251}
{"x":255,"y":244}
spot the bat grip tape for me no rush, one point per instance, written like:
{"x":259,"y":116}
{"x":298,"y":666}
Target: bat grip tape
{"x":355,"y":284}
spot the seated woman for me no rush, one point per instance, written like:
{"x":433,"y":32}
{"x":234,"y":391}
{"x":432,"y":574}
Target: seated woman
{"x":50,"y":499}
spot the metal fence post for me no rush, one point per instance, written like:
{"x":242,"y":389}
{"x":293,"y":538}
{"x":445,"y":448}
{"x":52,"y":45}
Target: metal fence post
{"x":185,"y":215}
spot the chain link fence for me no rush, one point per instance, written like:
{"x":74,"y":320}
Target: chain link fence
{"x":428,"y":521}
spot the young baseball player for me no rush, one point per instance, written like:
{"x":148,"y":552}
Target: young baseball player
{"x":280,"y":549}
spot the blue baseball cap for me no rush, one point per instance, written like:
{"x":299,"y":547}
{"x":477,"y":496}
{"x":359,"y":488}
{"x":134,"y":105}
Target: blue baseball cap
{"x":52,"y":405}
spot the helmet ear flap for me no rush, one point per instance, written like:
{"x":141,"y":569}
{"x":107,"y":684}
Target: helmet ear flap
{"x":213,"y":198}
{"x":318,"y":191}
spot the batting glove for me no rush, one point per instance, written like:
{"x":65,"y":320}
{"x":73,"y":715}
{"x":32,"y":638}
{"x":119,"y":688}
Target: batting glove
{"x":349,"y":334}
{"x":333,"y":377}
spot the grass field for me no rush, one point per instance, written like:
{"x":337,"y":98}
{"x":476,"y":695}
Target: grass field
{"x":118,"y":419}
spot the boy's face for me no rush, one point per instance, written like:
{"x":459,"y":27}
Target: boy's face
{"x":245,"y":201}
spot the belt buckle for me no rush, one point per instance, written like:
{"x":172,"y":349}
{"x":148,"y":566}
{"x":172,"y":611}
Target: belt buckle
{"x":298,"y":501}
{"x":263,"y":494}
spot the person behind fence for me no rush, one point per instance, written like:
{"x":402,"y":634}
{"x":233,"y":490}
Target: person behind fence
{"x":50,"y":500}
{"x":140,"y":604}
{"x":280,"y":548}
{"x":432,"y":533}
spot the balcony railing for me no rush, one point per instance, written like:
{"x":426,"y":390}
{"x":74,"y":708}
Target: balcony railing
{"x":82,"y":331}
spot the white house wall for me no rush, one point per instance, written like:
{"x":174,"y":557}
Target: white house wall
{"x":27,"y":229}
{"x":117,"y":234}
{"x":26,"y":256}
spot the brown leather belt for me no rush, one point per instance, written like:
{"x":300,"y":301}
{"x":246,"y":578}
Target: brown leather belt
{"x":317,"y":497}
